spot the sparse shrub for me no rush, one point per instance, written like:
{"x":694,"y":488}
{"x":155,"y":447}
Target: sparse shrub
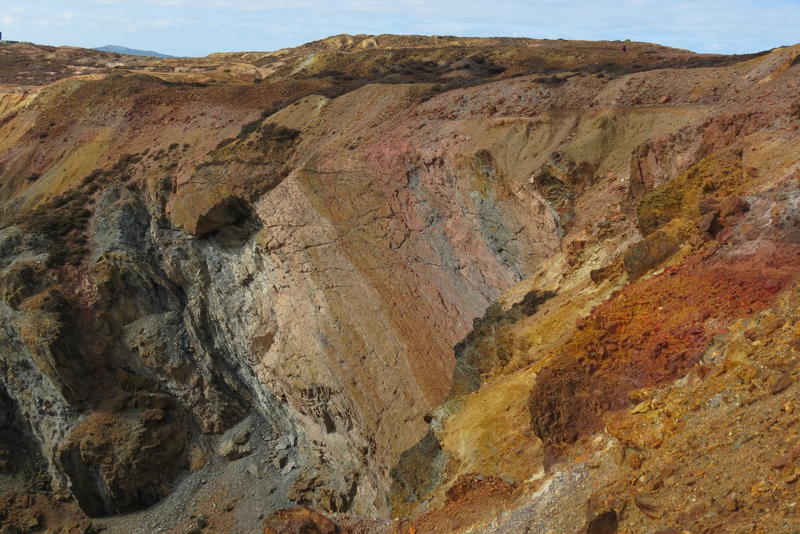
{"x":123,"y":163}
{"x":279,"y":133}
{"x":550,"y":80}
{"x":64,"y":221}
{"x":247,"y":129}
{"x":225,"y":142}
{"x":165,"y":184}
{"x":274,"y":108}
{"x":92,"y":176}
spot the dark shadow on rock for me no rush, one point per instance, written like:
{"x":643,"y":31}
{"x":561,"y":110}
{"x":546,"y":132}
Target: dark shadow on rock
{"x":125,"y":460}
{"x":648,"y":253}
{"x":417,"y":473}
{"x":480,"y":350}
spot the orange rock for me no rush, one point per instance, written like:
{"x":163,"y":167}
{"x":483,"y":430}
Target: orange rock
{"x":300,"y":521}
{"x":647,"y":505}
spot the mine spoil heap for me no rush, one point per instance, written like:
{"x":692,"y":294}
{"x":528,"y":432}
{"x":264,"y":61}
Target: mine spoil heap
{"x":402,"y":285}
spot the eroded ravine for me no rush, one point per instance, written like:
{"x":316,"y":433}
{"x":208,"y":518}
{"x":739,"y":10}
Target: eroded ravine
{"x":222,"y":298}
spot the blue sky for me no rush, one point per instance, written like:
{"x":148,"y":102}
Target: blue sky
{"x":199,"y":27}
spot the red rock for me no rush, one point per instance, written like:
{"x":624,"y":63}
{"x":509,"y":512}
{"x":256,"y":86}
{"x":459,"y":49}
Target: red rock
{"x":733,"y":206}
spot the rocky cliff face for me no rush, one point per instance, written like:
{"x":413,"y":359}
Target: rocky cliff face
{"x":234,"y":285}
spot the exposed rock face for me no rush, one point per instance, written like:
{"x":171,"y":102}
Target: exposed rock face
{"x":105,"y":451}
{"x":236,"y":287}
{"x":649,"y":253}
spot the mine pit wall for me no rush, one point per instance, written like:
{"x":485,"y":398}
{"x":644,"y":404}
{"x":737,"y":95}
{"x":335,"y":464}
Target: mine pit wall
{"x":360,"y":272}
{"x":224,"y":328}
{"x":641,"y":150}
{"x":389,"y":282}
{"x":363,"y":298}
{"x":280,"y":275}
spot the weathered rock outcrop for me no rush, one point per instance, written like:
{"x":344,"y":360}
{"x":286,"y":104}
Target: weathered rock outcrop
{"x":232,"y":285}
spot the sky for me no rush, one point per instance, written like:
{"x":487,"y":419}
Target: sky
{"x":200,"y":27}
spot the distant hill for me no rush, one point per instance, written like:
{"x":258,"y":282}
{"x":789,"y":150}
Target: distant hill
{"x":130,"y":51}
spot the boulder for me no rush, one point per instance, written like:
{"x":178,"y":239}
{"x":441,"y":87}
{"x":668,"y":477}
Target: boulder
{"x":648,"y":253}
{"x":124,"y":461}
{"x":709,"y":223}
{"x":235,"y":443}
{"x":204,"y":212}
{"x":733,"y":206}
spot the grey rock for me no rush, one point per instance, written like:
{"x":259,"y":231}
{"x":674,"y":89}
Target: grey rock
{"x":287,"y":468}
{"x":234,"y":451}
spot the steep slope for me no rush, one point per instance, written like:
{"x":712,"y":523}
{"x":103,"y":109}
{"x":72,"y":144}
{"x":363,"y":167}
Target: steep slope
{"x":233,"y":284}
{"x":548,"y":405}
